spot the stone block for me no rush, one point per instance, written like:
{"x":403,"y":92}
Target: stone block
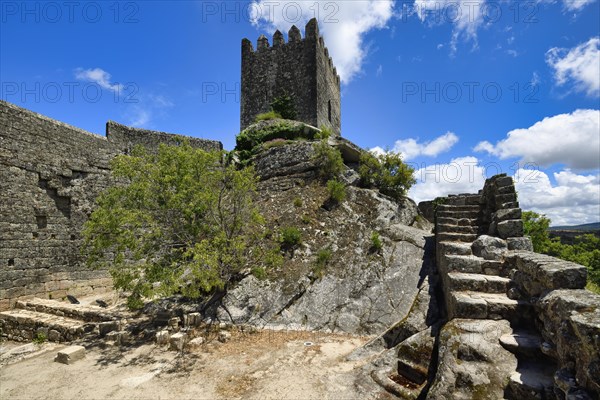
{"x":107,"y":327}
{"x":519,"y":243}
{"x":508,"y":213}
{"x":489,"y":247}
{"x":195,"y":343}
{"x":177,"y":341}
{"x":162,"y":337}
{"x":70,"y":354}
{"x":192,"y":319}
{"x":224,"y":336}
{"x":510,"y":228}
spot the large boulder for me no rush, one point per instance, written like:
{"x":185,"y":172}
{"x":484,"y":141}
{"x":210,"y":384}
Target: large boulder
{"x":471,"y":362}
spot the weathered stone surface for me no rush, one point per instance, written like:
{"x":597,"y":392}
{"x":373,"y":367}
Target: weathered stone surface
{"x":70,"y":354}
{"x":288,"y":160}
{"x":195,"y":343}
{"x":472,"y":363}
{"x":162,"y":337}
{"x":510,"y":228}
{"x":519,"y":243}
{"x":489,"y":247}
{"x":570,"y":321}
{"x":224,"y":336}
{"x":177,"y":341}
{"x":538,"y":273}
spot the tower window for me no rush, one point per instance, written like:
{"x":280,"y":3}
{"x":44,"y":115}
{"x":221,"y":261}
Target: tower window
{"x":329,"y":110}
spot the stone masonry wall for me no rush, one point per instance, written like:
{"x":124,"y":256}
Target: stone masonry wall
{"x":50,"y":175}
{"x":300,"y":68}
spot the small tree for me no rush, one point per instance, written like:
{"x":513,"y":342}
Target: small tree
{"x":182,"y":223}
{"x":536,"y":227}
{"x":284,"y":106}
{"x":387,"y":172}
{"x":329,"y":160}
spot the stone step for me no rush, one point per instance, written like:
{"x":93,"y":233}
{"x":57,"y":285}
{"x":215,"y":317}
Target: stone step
{"x":456,"y":237}
{"x":83,"y":312}
{"x":448,"y":207}
{"x":458,"y":214}
{"x":461,"y":200}
{"x":532,"y":380}
{"x":471,"y":265}
{"x":460,"y":281}
{"x":455,"y":248}
{"x":25,"y":325}
{"x":442,"y":228}
{"x":478,"y":305}
{"x":457,"y":221}
{"x":524,"y":344}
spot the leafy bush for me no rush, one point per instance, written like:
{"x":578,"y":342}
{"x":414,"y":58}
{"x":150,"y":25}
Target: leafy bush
{"x":284,"y":106}
{"x":184,"y":223}
{"x":324,"y":134}
{"x":376,"y":244}
{"x":267,"y":116}
{"x":275,"y":143}
{"x":305,"y":219}
{"x":297,"y":202}
{"x":337,"y":191}
{"x":290,"y":237}
{"x":386,"y":172}
{"x":323,"y":258}
{"x":328,"y":160}
{"x":40,"y":338}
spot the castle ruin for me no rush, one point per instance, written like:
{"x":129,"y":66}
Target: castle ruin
{"x":300,"y":68}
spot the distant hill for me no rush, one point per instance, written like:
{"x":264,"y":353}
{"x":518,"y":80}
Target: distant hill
{"x":594,"y":226}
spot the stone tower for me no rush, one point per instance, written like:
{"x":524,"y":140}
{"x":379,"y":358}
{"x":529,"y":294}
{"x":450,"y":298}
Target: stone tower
{"x":300,"y":68}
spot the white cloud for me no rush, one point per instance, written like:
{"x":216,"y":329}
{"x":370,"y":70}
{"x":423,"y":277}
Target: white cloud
{"x":343,"y":25}
{"x":575,"y":199}
{"x":150,"y":106}
{"x":465,"y":15}
{"x":569,"y":139}
{"x":576,"y":5}
{"x":99,"y":77}
{"x":579,"y":66}
{"x":411,"y":148}
{"x":460,"y":175}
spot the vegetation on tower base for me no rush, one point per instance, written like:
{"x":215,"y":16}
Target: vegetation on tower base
{"x":585,"y":250}
{"x":182,"y":222}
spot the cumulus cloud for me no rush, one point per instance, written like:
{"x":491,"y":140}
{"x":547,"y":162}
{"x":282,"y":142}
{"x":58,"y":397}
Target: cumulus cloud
{"x":574,"y":199}
{"x":579,"y":66}
{"x":569,"y":139}
{"x":411,"y":148}
{"x":99,"y":77}
{"x":460,"y":175}
{"x":467,"y":17}
{"x":342,"y":23}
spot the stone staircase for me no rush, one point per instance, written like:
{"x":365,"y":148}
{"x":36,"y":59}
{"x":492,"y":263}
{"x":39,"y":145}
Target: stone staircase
{"x":477,"y":287}
{"x":56,"y":321}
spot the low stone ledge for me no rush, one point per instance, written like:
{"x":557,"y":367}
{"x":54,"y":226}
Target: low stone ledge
{"x":539,"y":273}
{"x":570,"y":321}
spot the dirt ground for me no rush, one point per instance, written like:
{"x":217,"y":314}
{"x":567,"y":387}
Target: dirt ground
{"x":264,"y":365}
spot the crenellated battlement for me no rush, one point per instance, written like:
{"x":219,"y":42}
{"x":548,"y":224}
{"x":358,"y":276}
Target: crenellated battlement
{"x":301,"y":68}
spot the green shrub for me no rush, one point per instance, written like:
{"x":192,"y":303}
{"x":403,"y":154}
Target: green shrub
{"x":284,"y":106}
{"x":328,"y":160}
{"x":267,"y":116}
{"x":323,"y":258}
{"x":298,"y":202}
{"x":259,"y":273}
{"x":324,"y":134}
{"x":376,"y":244}
{"x":305,"y":219}
{"x":290,"y":237}
{"x":39,"y":338}
{"x":337,"y":191}
{"x":275,"y":143}
{"x":386,"y":172}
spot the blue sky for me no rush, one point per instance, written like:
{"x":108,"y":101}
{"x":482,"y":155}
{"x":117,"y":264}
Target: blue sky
{"x":463,"y":88}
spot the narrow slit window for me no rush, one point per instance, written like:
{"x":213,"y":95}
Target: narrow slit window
{"x":329,"y":110}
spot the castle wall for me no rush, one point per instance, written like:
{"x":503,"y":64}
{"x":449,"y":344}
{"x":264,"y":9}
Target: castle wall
{"x":50,"y":175}
{"x":300,"y":68}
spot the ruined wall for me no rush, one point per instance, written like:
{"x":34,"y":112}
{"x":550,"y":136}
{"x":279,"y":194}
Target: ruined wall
{"x":300,"y":68}
{"x":50,"y":175}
